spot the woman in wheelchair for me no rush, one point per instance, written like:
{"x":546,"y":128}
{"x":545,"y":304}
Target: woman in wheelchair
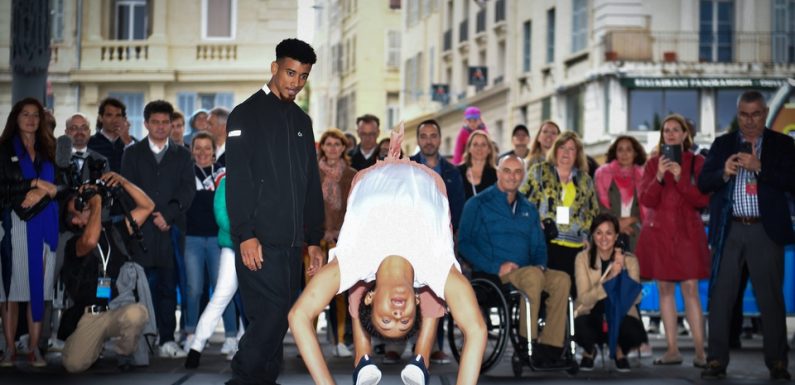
{"x":397,"y":236}
{"x":602,"y":262}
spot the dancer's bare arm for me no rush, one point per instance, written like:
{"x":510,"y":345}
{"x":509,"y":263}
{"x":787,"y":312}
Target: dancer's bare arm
{"x":317,"y":294}
{"x":464,"y":309}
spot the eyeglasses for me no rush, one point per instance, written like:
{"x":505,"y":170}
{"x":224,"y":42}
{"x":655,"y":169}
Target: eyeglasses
{"x":754,"y":115}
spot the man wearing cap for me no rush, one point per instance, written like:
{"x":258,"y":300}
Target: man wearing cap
{"x":472,"y":122}
{"x":520,"y":140}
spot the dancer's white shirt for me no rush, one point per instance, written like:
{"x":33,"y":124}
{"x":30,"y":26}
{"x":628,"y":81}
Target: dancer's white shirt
{"x":396,"y":208}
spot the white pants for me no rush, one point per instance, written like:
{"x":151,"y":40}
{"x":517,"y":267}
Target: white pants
{"x":225,"y":289}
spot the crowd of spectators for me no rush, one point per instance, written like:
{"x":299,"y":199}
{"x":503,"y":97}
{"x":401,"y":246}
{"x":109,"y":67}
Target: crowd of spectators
{"x":542,"y":216}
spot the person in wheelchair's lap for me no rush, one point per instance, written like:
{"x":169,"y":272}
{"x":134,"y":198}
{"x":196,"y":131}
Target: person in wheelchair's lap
{"x":500,"y":234}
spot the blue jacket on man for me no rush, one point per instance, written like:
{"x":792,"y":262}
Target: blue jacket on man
{"x":452,"y":183}
{"x":493,"y":232}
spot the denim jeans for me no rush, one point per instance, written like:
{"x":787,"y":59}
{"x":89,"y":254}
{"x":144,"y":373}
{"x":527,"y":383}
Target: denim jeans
{"x":203,"y":253}
{"x":163,"y":286}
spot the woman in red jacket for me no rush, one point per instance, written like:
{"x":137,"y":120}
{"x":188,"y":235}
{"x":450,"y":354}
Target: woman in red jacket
{"x":672,"y":246}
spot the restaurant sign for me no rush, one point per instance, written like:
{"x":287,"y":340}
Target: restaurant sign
{"x":702,"y":82}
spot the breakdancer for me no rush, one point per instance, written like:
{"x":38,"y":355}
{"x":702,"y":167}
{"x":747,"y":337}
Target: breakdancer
{"x":396,"y":236}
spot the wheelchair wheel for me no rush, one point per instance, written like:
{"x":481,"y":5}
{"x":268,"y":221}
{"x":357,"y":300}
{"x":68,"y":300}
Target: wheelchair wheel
{"x":495,"y":314}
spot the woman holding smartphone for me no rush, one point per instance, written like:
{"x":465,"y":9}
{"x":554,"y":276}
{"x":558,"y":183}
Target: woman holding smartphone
{"x":672,"y":246}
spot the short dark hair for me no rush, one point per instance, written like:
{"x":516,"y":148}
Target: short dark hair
{"x":520,"y":127}
{"x":368,"y":118}
{"x":640,"y":153}
{"x":178,"y":116}
{"x":366,"y":319}
{"x":113,"y":102}
{"x":751,"y":97}
{"x":429,"y":121}
{"x":296,"y":49}
{"x":158,"y":107}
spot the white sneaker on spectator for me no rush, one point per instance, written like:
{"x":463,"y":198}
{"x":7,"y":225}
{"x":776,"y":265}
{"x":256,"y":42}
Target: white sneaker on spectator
{"x":230,"y":345}
{"x":22,"y":344}
{"x":340,"y":350}
{"x":54,"y":345}
{"x":171,"y":350}
{"x":231,"y":355}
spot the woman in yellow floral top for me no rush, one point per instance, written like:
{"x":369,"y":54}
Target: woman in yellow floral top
{"x":562,"y":191}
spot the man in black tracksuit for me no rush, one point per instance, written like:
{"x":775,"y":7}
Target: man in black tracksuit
{"x":275,"y":205}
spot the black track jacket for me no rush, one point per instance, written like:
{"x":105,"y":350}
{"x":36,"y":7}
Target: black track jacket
{"x":273,"y":185}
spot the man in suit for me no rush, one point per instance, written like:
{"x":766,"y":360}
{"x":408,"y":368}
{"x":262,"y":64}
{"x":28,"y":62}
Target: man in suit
{"x":77,"y":128}
{"x":365,"y":154}
{"x":749,"y":173}
{"x":164,"y":171}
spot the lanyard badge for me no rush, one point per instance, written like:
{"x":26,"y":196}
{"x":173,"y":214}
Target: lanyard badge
{"x":103,"y":287}
{"x":103,"y":282}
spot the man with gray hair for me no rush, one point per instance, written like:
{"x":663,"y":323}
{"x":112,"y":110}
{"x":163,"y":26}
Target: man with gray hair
{"x":217,"y":128}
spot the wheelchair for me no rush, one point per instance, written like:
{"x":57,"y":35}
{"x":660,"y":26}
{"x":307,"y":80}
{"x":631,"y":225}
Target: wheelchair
{"x":501,"y":306}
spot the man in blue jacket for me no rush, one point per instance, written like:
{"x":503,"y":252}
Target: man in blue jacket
{"x":429,"y":138}
{"x":500,"y":235}
{"x":749,"y":173}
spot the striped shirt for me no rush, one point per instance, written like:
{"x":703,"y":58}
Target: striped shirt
{"x":746,"y":205}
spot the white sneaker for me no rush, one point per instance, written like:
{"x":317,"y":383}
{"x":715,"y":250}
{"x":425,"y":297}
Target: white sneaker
{"x":230,"y":345}
{"x":186,"y":345}
{"x":172,"y":350}
{"x":231,"y":355}
{"x":22,"y":344}
{"x":340,"y":350}
{"x":54,"y":345}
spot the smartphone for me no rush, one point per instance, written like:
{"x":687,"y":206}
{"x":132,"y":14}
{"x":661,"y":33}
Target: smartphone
{"x":672,"y":152}
{"x":746,"y":148}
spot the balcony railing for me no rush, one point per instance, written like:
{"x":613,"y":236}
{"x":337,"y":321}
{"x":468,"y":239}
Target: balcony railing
{"x":448,"y":40}
{"x":499,"y":11}
{"x":215,"y":52}
{"x":124,"y":51}
{"x":463,"y":31}
{"x":693,"y":47}
{"x":480,"y":23}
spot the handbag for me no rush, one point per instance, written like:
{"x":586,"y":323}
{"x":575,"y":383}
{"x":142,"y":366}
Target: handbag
{"x":26,"y":214}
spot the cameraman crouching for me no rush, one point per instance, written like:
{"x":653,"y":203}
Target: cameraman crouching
{"x":96,"y":276}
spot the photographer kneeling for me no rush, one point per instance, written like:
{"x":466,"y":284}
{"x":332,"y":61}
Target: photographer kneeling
{"x":101,"y":278}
